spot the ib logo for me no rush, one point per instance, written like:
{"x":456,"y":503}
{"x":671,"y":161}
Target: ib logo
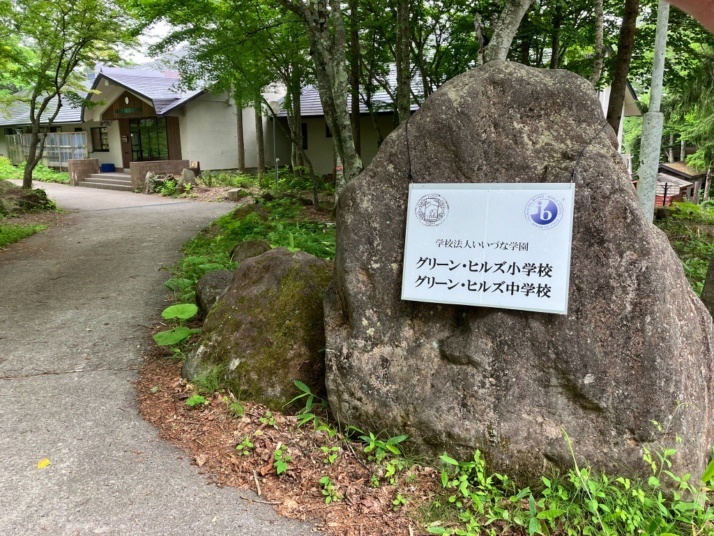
{"x":544,"y":211}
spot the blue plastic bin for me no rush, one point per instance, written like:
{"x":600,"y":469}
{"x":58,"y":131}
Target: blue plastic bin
{"x":108,"y":168}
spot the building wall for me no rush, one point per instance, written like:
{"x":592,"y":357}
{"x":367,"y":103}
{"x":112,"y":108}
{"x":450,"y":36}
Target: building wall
{"x":209,"y":134}
{"x":319,"y":145}
{"x":113,"y":156}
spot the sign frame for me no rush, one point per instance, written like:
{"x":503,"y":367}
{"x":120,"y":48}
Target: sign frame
{"x":564,"y":188}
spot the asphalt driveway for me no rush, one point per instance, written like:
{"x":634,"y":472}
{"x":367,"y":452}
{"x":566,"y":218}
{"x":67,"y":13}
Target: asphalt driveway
{"x":75,"y":304}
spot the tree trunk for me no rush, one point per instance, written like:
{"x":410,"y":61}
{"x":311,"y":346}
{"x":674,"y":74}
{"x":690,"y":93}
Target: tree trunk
{"x":622,"y":63}
{"x":707,"y":183}
{"x":328,"y":45}
{"x":555,"y":37}
{"x":599,"y":43}
{"x":354,"y":76}
{"x":505,"y":30}
{"x":403,"y":74}
{"x":682,"y":150}
{"x":259,"y":141}
{"x":670,"y":150}
{"x":241,"y":139}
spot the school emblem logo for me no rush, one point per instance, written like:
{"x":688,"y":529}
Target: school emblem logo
{"x":432,"y":209}
{"x":544,"y":211}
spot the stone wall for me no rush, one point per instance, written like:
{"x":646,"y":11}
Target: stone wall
{"x":81,"y":169}
{"x":159,"y":167}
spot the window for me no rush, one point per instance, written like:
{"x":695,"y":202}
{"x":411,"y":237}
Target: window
{"x":303,"y":131}
{"x":12,"y":131}
{"x":100,"y":139}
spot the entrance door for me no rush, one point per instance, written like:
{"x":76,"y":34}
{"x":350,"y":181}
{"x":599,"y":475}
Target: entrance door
{"x":149,"y":139}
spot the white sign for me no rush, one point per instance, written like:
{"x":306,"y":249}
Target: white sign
{"x":490,"y":245}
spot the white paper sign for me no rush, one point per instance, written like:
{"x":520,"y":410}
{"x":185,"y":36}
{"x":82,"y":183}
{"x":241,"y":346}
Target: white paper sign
{"x":489,"y":245}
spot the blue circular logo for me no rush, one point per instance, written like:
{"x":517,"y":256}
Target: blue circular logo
{"x":544,"y":211}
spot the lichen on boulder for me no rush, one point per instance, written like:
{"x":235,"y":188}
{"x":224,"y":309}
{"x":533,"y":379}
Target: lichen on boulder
{"x":267,"y":330}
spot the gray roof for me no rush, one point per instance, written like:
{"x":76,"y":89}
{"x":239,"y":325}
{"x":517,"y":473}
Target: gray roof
{"x":311,"y":106}
{"x":18,"y":114}
{"x":159,"y":87}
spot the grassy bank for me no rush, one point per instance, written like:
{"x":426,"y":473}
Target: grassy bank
{"x":41,"y":172}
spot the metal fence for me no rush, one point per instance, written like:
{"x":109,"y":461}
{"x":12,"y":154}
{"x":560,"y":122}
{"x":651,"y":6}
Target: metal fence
{"x":60,"y":148}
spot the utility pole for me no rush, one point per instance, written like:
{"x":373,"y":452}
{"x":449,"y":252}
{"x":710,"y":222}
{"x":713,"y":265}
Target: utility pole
{"x":653,"y":122}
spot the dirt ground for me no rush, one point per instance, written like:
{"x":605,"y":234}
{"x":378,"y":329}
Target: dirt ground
{"x":363,"y":497}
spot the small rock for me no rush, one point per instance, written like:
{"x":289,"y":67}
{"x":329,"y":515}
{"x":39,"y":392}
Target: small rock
{"x":210,"y":288}
{"x":249,"y":248}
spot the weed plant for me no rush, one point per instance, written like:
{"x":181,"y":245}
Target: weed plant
{"x":41,"y":173}
{"x":690,"y":229}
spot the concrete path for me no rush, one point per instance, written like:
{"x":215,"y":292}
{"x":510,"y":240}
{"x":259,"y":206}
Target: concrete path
{"x":75,"y":304}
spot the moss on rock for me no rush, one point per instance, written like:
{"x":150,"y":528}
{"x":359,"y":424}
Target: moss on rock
{"x":268,"y":328}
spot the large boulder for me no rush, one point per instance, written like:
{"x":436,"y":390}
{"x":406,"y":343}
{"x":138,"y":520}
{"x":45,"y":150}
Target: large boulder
{"x":634,"y":349}
{"x":267,"y":329}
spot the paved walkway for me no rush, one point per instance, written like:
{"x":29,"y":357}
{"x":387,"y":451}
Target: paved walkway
{"x":75,"y":304}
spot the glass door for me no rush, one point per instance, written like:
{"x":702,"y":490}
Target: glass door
{"x":149,"y":140}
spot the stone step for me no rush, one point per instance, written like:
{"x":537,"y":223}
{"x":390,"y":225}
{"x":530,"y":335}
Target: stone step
{"x":104,"y":185}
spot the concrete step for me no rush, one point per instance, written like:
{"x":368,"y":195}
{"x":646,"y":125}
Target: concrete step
{"x":103,"y":185}
{"x":107,"y":180}
{"x":123,"y":176}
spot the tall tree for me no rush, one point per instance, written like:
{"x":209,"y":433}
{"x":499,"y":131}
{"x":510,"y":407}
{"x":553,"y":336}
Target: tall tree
{"x":505,"y":30}
{"x":599,"y":56}
{"x":54,"y":39}
{"x":621,"y":68}
{"x":325,"y":25}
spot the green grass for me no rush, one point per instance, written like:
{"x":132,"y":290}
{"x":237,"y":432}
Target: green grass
{"x":287,"y":225}
{"x":41,"y":172}
{"x":690,"y":229}
{"x":11,"y":233}
{"x":474,"y":501}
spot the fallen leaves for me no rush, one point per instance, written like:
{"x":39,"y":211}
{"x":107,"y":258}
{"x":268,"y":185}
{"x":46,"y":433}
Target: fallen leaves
{"x":210,"y":435}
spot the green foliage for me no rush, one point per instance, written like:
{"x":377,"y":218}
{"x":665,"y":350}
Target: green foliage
{"x":11,"y":233}
{"x":236,"y":409}
{"x":331,"y":454}
{"x":287,"y":225}
{"x":245,"y":447}
{"x":398,"y":502}
{"x":173,"y":336}
{"x":50,"y":41}
{"x":281,"y":459}
{"x":690,"y":229}
{"x":209,"y":381}
{"x":329,"y":490}
{"x":40,"y":173}
{"x":580,"y":502}
{"x":232,"y":179}
{"x":196,"y":400}
{"x":268,"y":419}
{"x":180,"y":311}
